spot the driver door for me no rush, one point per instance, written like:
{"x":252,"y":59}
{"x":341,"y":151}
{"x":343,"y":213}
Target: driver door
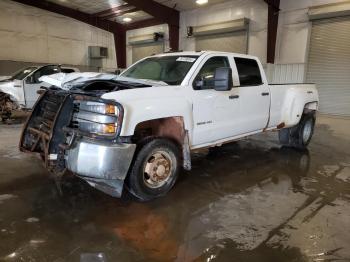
{"x":213,"y":111}
{"x":32,"y":84}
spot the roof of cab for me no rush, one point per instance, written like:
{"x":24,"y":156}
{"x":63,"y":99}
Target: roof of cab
{"x":206,"y":52}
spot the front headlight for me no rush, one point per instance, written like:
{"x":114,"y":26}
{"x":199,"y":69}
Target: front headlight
{"x":98,"y":107}
{"x":96,"y":117}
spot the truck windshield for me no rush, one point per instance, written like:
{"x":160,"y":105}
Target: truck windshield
{"x":169,"y":69}
{"x":21,"y":74}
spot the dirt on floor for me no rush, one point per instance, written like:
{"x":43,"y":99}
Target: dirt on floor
{"x":247,"y":201}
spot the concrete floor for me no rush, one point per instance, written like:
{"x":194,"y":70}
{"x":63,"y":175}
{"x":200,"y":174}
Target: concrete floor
{"x":248,"y":201}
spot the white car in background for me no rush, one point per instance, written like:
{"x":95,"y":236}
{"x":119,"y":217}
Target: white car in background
{"x":20,"y":90}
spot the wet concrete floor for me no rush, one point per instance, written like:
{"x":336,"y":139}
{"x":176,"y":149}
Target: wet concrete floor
{"x":247,"y":201}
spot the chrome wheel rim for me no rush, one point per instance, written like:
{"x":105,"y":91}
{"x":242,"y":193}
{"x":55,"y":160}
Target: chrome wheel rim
{"x":157,"y":169}
{"x":307,"y":130}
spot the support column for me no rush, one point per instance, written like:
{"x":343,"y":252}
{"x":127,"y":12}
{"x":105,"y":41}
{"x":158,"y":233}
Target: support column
{"x":120,"y":47}
{"x":273,"y":11}
{"x":174,"y":37}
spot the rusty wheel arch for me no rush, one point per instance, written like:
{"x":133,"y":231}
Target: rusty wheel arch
{"x":172,"y":128}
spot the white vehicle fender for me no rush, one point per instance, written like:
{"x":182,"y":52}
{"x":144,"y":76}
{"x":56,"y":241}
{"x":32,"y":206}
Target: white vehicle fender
{"x":296,"y":101}
{"x":10,"y":90}
{"x":138,"y":111}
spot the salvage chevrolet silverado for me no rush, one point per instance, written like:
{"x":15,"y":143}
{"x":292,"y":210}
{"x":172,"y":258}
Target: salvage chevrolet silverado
{"x":136,"y":130}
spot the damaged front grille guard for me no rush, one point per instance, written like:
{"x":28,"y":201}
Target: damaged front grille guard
{"x":74,"y":133}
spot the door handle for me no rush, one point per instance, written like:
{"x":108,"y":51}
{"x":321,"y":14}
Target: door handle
{"x":234,"y":97}
{"x":265,"y":94}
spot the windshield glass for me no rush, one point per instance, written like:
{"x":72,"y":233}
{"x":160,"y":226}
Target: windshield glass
{"x":21,"y":74}
{"x":169,"y":69}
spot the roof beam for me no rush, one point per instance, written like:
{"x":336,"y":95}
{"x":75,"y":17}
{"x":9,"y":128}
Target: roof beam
{"x":113,"y":10}
{"x":161,"y":12}
{"x":142,"y":24}
{"x":120,"y":13}
{"x":75,"y":14}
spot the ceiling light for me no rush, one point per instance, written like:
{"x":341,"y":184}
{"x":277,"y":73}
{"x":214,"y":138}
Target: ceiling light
{"x":201,"y":2}
{"x":127,"y":19}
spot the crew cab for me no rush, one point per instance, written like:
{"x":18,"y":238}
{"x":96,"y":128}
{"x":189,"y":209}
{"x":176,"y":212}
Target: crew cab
{"x":20,"y":90}
{"x":137,"y":130}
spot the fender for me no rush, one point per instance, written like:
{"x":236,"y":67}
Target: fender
{"x":12,"y":98}
{"x":149,"y":109}
{"x":153,"y":103}
{"x":296,"y":100}
{"x":15,"y":93}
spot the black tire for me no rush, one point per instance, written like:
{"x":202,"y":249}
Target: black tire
{"x":300,"y":135}
{"x":158,"y":154}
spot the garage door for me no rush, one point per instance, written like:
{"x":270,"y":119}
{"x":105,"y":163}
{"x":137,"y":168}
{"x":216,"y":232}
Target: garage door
{"x":142,"y":50}
{"x":235,"y":42}
{"x":329,"y":64}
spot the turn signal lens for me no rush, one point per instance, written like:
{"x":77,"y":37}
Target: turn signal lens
{"x":109,"y":129}
{"x":110,"y":109}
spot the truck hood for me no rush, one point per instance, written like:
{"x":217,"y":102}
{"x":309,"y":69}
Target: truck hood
{"x":69,"y":81}
{"x":13,"y":88}
{"x":3,"y":78}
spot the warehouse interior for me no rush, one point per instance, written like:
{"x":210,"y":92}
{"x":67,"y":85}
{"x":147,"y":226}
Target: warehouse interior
{"x":249,"y":200}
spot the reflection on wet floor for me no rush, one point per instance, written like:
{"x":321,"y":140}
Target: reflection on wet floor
{"x":247,"y":201}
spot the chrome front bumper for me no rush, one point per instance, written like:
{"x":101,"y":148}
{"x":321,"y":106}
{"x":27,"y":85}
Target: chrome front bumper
{"x":102,"y":164}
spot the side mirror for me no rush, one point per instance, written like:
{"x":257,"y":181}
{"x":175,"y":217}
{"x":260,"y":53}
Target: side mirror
{"x":223,"y":79}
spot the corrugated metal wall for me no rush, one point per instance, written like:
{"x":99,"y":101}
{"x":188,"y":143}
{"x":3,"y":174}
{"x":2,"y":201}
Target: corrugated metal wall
{"x":329,"y":64}
{"x":285,"y":73}
{"x":288,"y":73}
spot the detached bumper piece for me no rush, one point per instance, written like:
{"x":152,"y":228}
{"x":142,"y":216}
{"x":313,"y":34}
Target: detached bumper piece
{"x":103,"y":165}
{"x":52,"y":131}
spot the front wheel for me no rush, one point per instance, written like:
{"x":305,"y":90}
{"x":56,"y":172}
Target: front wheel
{"x":300,"y":135}
{"x":154,"y":170}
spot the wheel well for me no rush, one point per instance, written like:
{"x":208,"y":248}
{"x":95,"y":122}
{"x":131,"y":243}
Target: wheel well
{"x":170,"y":127}
{"x":310,"y":107}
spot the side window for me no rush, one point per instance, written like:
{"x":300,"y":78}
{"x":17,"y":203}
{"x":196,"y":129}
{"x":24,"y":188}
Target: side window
{"x":248,"y":71}
{"x":207,"y":72}
{"x":47,"y":70}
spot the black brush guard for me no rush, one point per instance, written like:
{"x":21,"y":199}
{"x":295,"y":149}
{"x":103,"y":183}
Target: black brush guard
{"x":47,"y":128}
{"x":43,"y":131}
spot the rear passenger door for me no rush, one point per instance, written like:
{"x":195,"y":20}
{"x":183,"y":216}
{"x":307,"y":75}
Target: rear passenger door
{"x":254,"y":96}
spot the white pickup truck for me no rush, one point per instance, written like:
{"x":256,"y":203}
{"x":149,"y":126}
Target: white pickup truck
{"x":20,"y":90}
{"x":138,"y":129}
